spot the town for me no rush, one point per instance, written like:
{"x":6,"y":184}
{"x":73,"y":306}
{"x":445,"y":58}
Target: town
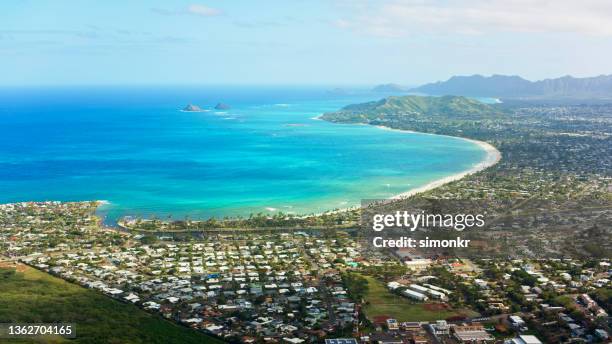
{"x":312,"y":286}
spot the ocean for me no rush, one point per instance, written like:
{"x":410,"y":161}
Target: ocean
{"x":135,"y":149}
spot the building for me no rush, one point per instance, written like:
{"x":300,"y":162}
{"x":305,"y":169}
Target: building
{"x":415,"y":295}
{"x":517,"y":322}
{"x":433,"y":293}
{"x":418,"y":264}
{"x":392,"y":325}
{"x":418,"y":288}
{"x":524,"y":339}
{"x":601,"y":334}
{"x":341,"y":341}
{"x":393,"y":285}
{"x":474,"y":333}
{"x":440,"y":328}
{"x":436,"y":288}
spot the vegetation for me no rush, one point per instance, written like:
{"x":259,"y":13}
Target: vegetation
{"x":604,"y":297}
{"x":555,"y":170}
{"x":31,"y":296}
{"x":279,"y":220}
{"x":379,"y":301}
{"x":447,"y":108}
{"x":356,"y":284}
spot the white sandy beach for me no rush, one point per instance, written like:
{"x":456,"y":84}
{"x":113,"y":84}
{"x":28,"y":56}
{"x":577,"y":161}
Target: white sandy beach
{"x":493,"y":157}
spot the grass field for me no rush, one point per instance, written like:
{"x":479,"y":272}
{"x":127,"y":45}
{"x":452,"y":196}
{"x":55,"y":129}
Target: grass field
{"x":28,"y":295}
{"x":382,"y":302}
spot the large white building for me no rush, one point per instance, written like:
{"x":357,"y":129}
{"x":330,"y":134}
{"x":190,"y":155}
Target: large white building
{"x":440,"y":328}
{"x":524,"y":339}
{"x":415,"y":295}
{"x":433,"y":293}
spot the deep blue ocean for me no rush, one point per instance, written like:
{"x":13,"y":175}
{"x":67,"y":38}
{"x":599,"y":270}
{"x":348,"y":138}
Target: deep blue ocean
{"x":132,"y":147}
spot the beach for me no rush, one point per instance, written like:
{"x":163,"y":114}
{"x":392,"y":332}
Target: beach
{"x":149,"y":159}
{"x":492,"y":158}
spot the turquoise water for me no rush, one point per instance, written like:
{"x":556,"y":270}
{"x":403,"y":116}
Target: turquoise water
{"x":133,"y":148}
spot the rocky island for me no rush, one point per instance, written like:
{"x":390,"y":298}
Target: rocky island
{"x":192,"y":108}
{"x":222,"y":106}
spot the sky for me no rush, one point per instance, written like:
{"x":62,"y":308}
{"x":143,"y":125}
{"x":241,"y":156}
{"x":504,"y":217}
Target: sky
{"x":326,"y":42}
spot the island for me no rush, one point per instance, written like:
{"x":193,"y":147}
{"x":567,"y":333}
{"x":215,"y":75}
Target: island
{"x":222,"y":106}
{"x":192,"y":108}
{"x":540,"y":269}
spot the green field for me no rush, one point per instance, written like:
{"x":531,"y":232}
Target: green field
{"x":28,"y":295}
{"x":380,"y":301}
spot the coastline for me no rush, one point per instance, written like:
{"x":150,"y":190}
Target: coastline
{"x":493,"y":156}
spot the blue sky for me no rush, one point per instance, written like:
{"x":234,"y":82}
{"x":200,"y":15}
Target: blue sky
{"x":333,"y":42}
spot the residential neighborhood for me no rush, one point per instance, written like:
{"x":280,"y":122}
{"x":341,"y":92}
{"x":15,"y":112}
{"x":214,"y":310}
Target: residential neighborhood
{"x":310,"y":287}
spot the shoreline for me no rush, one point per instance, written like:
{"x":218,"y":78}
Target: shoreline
{"x":493,"y":156}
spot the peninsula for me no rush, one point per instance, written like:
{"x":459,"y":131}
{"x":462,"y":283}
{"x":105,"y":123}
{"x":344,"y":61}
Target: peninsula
{"x":420,"y":109}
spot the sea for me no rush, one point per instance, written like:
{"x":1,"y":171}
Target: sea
{"x":133,"y":148}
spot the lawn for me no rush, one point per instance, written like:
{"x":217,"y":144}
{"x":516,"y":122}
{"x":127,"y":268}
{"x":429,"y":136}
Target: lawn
{"x":28,"y":295}
{"x":382,"y":302}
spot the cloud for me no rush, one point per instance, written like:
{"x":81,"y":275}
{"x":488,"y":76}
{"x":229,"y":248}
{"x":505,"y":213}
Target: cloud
{"x":258,"y":24}
{"x":40,"y":32}
{"x":195,"y":9}
{"x":201,"y":10}
{"x":397,"y":18}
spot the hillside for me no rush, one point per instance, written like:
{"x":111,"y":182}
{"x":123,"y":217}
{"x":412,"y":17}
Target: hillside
{"x":446,"y":108}
{"x":503,"y":86}
{"x":32,"y":296}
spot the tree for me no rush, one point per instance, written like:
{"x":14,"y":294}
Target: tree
{"x":356,"y":284}
{"x":149,"y":239}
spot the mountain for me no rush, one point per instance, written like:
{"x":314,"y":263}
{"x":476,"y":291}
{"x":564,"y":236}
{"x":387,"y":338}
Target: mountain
{"x":567,"y":85}
{"x":222,"y":106}
{"x":192,"y":108}
{"x":416,"y":108}
{"x":388,"y":88}
{"x":504,"y":86}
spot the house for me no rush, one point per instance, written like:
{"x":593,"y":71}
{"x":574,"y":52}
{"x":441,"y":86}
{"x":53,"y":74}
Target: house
{"x":517,"y":322}
{"x":392,"y":325}
{"x":601,"y":334}
{"x":481,"y":283}
{"x":471,"y":333}
{"x":418,"y":264}
{"x":440,"y":328}
{"x":133,"y":298}
{"x":341,"y":341}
